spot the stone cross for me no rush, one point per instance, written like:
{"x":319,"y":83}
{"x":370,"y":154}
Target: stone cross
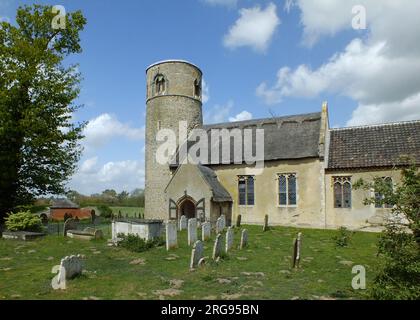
{"x":69,"y":268}
{"x":229,"y":239}
{"x":196,"y":254}
{"x":238,"y":220}
{"x":206,"y":231}
{"x":70,"y":224}
{"x":244,"y":239}
{"x":297,"y":243}
{"x":217,"y":248}
{"x":192,"y":231}
{"x":183,"y":223}
{"x":265,"y":228}
{"x":171,"y":235}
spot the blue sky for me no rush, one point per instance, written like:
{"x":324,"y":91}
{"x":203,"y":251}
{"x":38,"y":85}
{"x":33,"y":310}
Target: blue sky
{"x":284,"y":57}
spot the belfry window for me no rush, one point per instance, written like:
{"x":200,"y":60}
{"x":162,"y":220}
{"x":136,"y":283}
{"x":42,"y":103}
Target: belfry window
{"x":342,"y":192}
{"x":160,"y":84}
{"x":197,"y":88}
{"x":246,"y":191}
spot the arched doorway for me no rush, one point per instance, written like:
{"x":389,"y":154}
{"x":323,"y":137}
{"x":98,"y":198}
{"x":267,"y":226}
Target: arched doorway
{"x":187,"y":208}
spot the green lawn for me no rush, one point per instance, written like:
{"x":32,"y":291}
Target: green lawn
{"x":127,"y":210}
{"x":262,"y":271}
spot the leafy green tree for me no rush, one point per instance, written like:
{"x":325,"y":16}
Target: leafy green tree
{"x":39,"y":146}
{"x":399,"y":277}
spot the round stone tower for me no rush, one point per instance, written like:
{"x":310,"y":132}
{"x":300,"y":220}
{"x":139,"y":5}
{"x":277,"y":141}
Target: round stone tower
{"x":174,"y":91}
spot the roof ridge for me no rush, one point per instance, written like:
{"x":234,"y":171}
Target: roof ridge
{"x":375,"y":125}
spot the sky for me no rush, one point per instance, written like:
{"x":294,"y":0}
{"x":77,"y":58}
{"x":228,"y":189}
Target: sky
{"x":258,"y":58}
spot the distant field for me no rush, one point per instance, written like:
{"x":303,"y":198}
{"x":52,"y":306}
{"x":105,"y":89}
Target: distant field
{"x":127,"y":210}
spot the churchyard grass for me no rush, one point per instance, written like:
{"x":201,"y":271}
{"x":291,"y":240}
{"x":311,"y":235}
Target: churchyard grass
{"x":260,"y":271}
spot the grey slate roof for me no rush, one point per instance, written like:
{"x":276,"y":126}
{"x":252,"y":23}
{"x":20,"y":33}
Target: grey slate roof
{"x":220,"y":194}
{"x":64,"y":204}
{"x":285,"y":138}
{"x":374,"y":146}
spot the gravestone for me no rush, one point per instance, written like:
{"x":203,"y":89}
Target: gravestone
{"x":244,"y":239}
{"x":265,"y":228}
{"x":223,"y":221}
{"x":69,"y":268}
{"x":196,"y":254}
{"x":171,"y":235}
{"x":70,"y":224}
{"x":192,"y":231}
{"x":206,"y":231}
{"x":93,"y":216}
{"x":217,"y":248}
{"x":219,"y":225}
{"x":238,"y":220}
{"x":183,"y":223}
{"x":297,"y":243}
{"x":229,"y":239}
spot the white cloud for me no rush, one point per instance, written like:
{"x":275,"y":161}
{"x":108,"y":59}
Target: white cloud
{"x":254,"y":28}
{"x":206,"y":92}
{"x":105,"y":127}
{"x":218,"y":113}
{"x":121,"y":175}
{"x":380,"y":72}
{"x":226,"y":3}
{"x":244,"y":115}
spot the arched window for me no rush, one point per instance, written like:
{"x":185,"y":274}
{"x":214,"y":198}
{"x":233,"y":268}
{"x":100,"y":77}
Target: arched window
{"x":342,"y":192}
{"x":197,"y":88}
{"x":160,"y":84}
{"x":287,"y":189}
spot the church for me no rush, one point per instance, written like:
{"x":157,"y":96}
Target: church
{"x":308,"y":168}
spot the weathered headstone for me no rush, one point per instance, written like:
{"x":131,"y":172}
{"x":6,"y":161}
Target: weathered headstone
{"x":196,"y":254}
{"x":69,"y":268}
{"x":244,"y":239}
{"x":206,"y":231}
{"x":70,"y":224}
{"x":223,"y":221}
{"x":219,"y":225}
{"x":238,"y":220}
{"x":183,"y":223}
{"x":171,"y":235}
{"x":229,"y":239}
{"x":265,"y":227}
{"x":217,"y":248}
{"x":297,"y":243}
{"x":192,"y":231}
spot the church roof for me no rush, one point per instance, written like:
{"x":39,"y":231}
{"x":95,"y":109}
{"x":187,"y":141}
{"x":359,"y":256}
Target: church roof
{"x":220,"y":194}
{"x":285,"y":138}
{"x":374,"y":146}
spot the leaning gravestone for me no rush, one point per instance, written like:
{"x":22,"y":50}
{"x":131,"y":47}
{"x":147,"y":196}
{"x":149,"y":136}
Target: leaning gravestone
{"x":192,"y":231}
{"x":244,"y":239}
{"x":229,"y":239}
{"x":297,"y":243}
{"x":265,"y":228}
{"x":183,"y":223}
{"x":171,"y":235}
{"x":217,"y":248}
{"x":69,"y":268}
{"x":196,"y":254}
{"x":70,"y":224}
{"x":206,"y":231}
{"x":238,"y":221}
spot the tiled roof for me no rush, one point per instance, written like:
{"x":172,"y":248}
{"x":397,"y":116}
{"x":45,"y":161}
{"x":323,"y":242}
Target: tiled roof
{"x":220,"y":194}
{"x":64,"y":204}
{"x":374,"y":146}
{"x":285,"y":138}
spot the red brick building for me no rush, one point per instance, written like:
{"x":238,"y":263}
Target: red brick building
{"x":62,"y":206}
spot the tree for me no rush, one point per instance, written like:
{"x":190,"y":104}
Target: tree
{"x":399,"y":277}
{"x":39,"y":146}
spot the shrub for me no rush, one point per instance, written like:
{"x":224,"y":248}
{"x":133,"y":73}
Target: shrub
{"x":343,"y":238}
{"x":23,"y":221}
{"x":106,"y":212}
{"x":136,"y":244}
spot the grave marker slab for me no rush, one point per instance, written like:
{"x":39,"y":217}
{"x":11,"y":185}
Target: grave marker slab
{"x":183,"y":223}
{"x":217,"y":248}
{"x":229,"y":239}
{"x":206,"y":231}
{"x":192,"y":231}
{"x":171,"y":235}
{"x":244,"y":239}
{"x":196,"y":254}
